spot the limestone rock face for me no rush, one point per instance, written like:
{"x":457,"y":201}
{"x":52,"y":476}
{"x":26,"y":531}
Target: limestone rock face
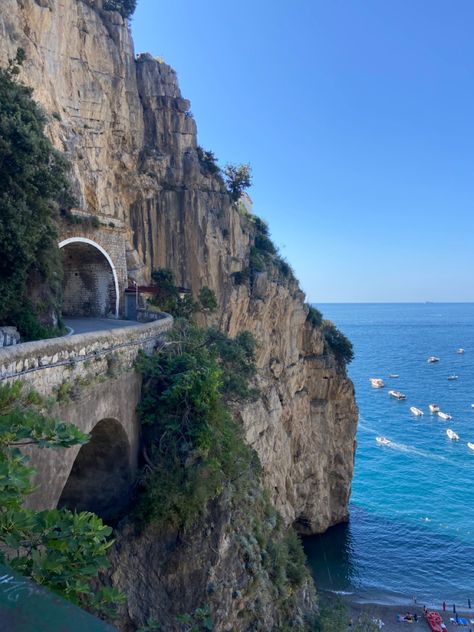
{"x":131,"y":140}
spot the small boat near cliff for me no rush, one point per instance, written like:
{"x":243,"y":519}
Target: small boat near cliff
{"x":416,"y":411}
{"x":452,"y":435}
{"x":376,"y":382}
{"x":382,"y":440}
{"x":444,"y":416}
{"x":432,"y":359}
{"x":397,"y":395}
{"x":434,"y":408}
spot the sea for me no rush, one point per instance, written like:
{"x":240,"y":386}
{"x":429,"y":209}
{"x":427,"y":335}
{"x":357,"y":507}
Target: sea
{"x":411,"y":527}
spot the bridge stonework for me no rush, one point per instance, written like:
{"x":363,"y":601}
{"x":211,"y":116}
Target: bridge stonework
{"x":95,"y":386}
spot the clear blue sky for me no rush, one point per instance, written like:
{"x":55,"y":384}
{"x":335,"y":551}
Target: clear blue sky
{"x":358,"y":120}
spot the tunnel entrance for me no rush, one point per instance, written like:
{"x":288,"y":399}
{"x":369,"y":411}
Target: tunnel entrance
{"x":90,"y":284}
{"x":101,"y":476}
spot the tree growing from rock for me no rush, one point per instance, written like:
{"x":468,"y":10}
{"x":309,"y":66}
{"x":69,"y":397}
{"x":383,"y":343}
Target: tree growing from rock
{"x":238,"y":178}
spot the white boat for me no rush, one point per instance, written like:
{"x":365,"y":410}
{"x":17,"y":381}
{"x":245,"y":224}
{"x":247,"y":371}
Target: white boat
{"x":434,"y":408}
{"x":383,"y":441}
{"x":393,"y":375}
{"x":444,"y":416}
{"x":472,"y":405}
{"x":452,"y":377}
{"x":416,"y":411}
{"x":470,"y":445}
{"x":432,"y":359}
{"x":376,"y":382}
{"x":460,"y":350}
{"x":452,"y":435}
{"x":397,"y":395}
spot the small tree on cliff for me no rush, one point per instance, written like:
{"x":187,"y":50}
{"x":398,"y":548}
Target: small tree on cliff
{"x":238,"y":179}
{"x":126,"y":8}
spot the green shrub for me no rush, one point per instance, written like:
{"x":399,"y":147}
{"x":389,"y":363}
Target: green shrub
{"x":238,"y":178}
{"x":241,"y":276}
{"x":126,"y":8}
{"x":33,"y":189}
{"x":337,"y":342}
{"x":207,"y":300}
{"x":192,"y":440}
{"x":207,"y":160}
{"x":57,"y":548}
{"x":314,"y":316}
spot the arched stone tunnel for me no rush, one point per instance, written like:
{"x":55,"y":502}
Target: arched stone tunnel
{"x":90,"y":282}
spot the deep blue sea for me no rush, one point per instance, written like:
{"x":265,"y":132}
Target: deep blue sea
{"x":411,"y":530}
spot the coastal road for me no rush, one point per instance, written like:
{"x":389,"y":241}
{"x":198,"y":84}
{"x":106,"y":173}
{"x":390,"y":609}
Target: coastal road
{"x":84,"y":325}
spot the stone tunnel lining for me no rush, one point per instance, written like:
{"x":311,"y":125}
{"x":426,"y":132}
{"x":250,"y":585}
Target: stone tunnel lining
{"x":76,"y":293}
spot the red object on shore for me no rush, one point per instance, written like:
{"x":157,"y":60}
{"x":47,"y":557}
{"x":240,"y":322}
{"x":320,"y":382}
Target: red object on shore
{"x":435,"y":621}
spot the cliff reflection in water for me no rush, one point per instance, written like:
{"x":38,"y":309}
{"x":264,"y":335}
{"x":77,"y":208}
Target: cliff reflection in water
{"x":331,"y":558}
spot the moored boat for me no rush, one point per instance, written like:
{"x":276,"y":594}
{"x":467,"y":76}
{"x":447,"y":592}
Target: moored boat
{"x":433,"y":359}
{"x":452,"y":377}
{"x":470,"y":445}
{"x":376,"y":382}
{"x":444,"y":416}
{"x":382,"y":440}
{"x":452,"y":435}
{"x":460,"y":350}
{"x":434,"y":408}
{"x":397,"y":395}
{"x":416,"y":411}
{"x":393,"y":375}
{"x":435,"y":621}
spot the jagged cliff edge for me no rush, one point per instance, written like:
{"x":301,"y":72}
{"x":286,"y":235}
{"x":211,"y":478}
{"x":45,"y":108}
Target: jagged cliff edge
{"x":132,"y":143}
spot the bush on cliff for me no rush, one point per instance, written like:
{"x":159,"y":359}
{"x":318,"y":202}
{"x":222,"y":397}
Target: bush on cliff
{"x":193,"y":444}
{"x":126,"y":8}
{"x":59,"y":549}
{"x":238,"y":178}
{"x":33,"y":188}
{"x":339,"y":344}
{"x":169,"y":297}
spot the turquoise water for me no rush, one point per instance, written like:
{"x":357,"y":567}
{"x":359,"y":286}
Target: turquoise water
{"x":411,"y":530}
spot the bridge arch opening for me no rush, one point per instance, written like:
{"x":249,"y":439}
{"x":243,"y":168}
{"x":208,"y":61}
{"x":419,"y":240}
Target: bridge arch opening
{"x":101,"y":476}
{"x":90,"y":284}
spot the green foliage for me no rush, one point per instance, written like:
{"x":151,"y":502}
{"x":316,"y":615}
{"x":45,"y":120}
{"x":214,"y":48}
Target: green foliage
{"x":151,"y":625}
{"x":208,"y":160}
{"x":33,"y":189}
{"x":169,"y":300}
{"x":199,"y":621}
{"x":264,"y":244}
{"x":333,"y":616}
{"x":264,"y":254}
{"x":207,"y":299}
{"x":58,"y":548}
{"x":241,"y":276}
{"x":286,"y":561}
{"x":192,"y":440}
{"x":238,"y":178}
{"x":126,"y":8}
{"x":314,"y":316}
{"x":337,"y":342}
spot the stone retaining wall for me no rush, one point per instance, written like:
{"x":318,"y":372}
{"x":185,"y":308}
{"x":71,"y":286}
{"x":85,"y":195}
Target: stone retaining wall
{"x":50,"y":365}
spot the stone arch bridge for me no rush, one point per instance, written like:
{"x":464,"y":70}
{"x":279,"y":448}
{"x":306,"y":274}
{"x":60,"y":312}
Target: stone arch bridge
{"x":92,"y":380}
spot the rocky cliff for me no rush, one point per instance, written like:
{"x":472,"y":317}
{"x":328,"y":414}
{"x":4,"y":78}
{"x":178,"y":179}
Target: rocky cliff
{"x":132,"y":142}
